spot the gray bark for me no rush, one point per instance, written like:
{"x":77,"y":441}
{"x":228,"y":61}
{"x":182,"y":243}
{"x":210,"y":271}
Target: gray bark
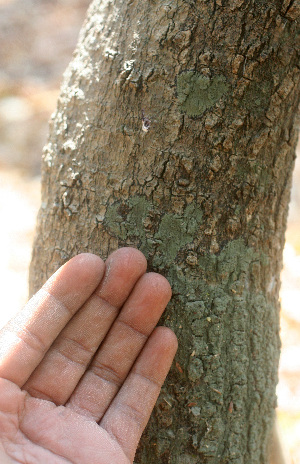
{"x":203,"y":193}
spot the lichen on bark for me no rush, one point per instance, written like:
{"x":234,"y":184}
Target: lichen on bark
{"x":197,"y":93}
{"x":130,"y":220}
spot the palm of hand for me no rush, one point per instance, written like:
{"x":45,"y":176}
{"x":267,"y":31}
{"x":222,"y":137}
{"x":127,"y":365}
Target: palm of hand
{"x":81,"y":366}
{"x":37,"y":431}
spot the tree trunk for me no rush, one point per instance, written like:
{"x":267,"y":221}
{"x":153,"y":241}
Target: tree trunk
{"x":203,"y":192}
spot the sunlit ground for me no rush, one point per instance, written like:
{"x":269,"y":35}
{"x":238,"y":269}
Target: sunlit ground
{"x":19,"y":201}
{"x":288,"y":390}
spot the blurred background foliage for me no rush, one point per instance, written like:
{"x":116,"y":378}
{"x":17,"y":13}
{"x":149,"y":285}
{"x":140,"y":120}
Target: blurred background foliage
{"x":37,"y":38}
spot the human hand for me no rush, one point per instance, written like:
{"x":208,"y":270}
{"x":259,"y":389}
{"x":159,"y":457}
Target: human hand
{"x":81,"y":366}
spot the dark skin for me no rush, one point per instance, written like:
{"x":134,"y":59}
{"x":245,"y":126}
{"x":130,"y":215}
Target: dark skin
{"x":81,"y":366}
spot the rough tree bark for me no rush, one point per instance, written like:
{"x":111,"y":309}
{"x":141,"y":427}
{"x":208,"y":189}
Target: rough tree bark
{"x":203,"y":193}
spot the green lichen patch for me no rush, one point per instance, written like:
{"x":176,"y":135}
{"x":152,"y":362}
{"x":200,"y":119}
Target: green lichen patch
{"x":125,"y":220}
{"x":197,"y":93}
{"x":131,"y":220}
{"x":115,"y":220}
{"x":176,"y":231}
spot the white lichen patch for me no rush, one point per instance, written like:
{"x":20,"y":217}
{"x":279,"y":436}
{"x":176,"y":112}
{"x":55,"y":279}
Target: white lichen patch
{"x":128,"y":65}
{"x":69,"y":145}
{"x":110,"y":53}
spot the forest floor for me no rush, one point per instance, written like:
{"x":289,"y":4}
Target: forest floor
{"x":36,"y":44}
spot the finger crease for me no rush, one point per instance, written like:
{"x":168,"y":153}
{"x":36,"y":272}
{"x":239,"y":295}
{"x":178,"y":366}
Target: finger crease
{"x":32,"y":340}
{"x":104,"y":300}
{"x":134,"y":413}
{"x":70,"y":358}
{"x":36,"y":393}
{"x":74,"y":343}
{"x":133,"y":329}
{"x":59,"y":302}
{"x":106,"y":373}
{"x":150,"y":380}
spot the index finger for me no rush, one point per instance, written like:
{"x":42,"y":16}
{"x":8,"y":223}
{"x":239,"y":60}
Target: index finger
{"x":27,"y":337}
